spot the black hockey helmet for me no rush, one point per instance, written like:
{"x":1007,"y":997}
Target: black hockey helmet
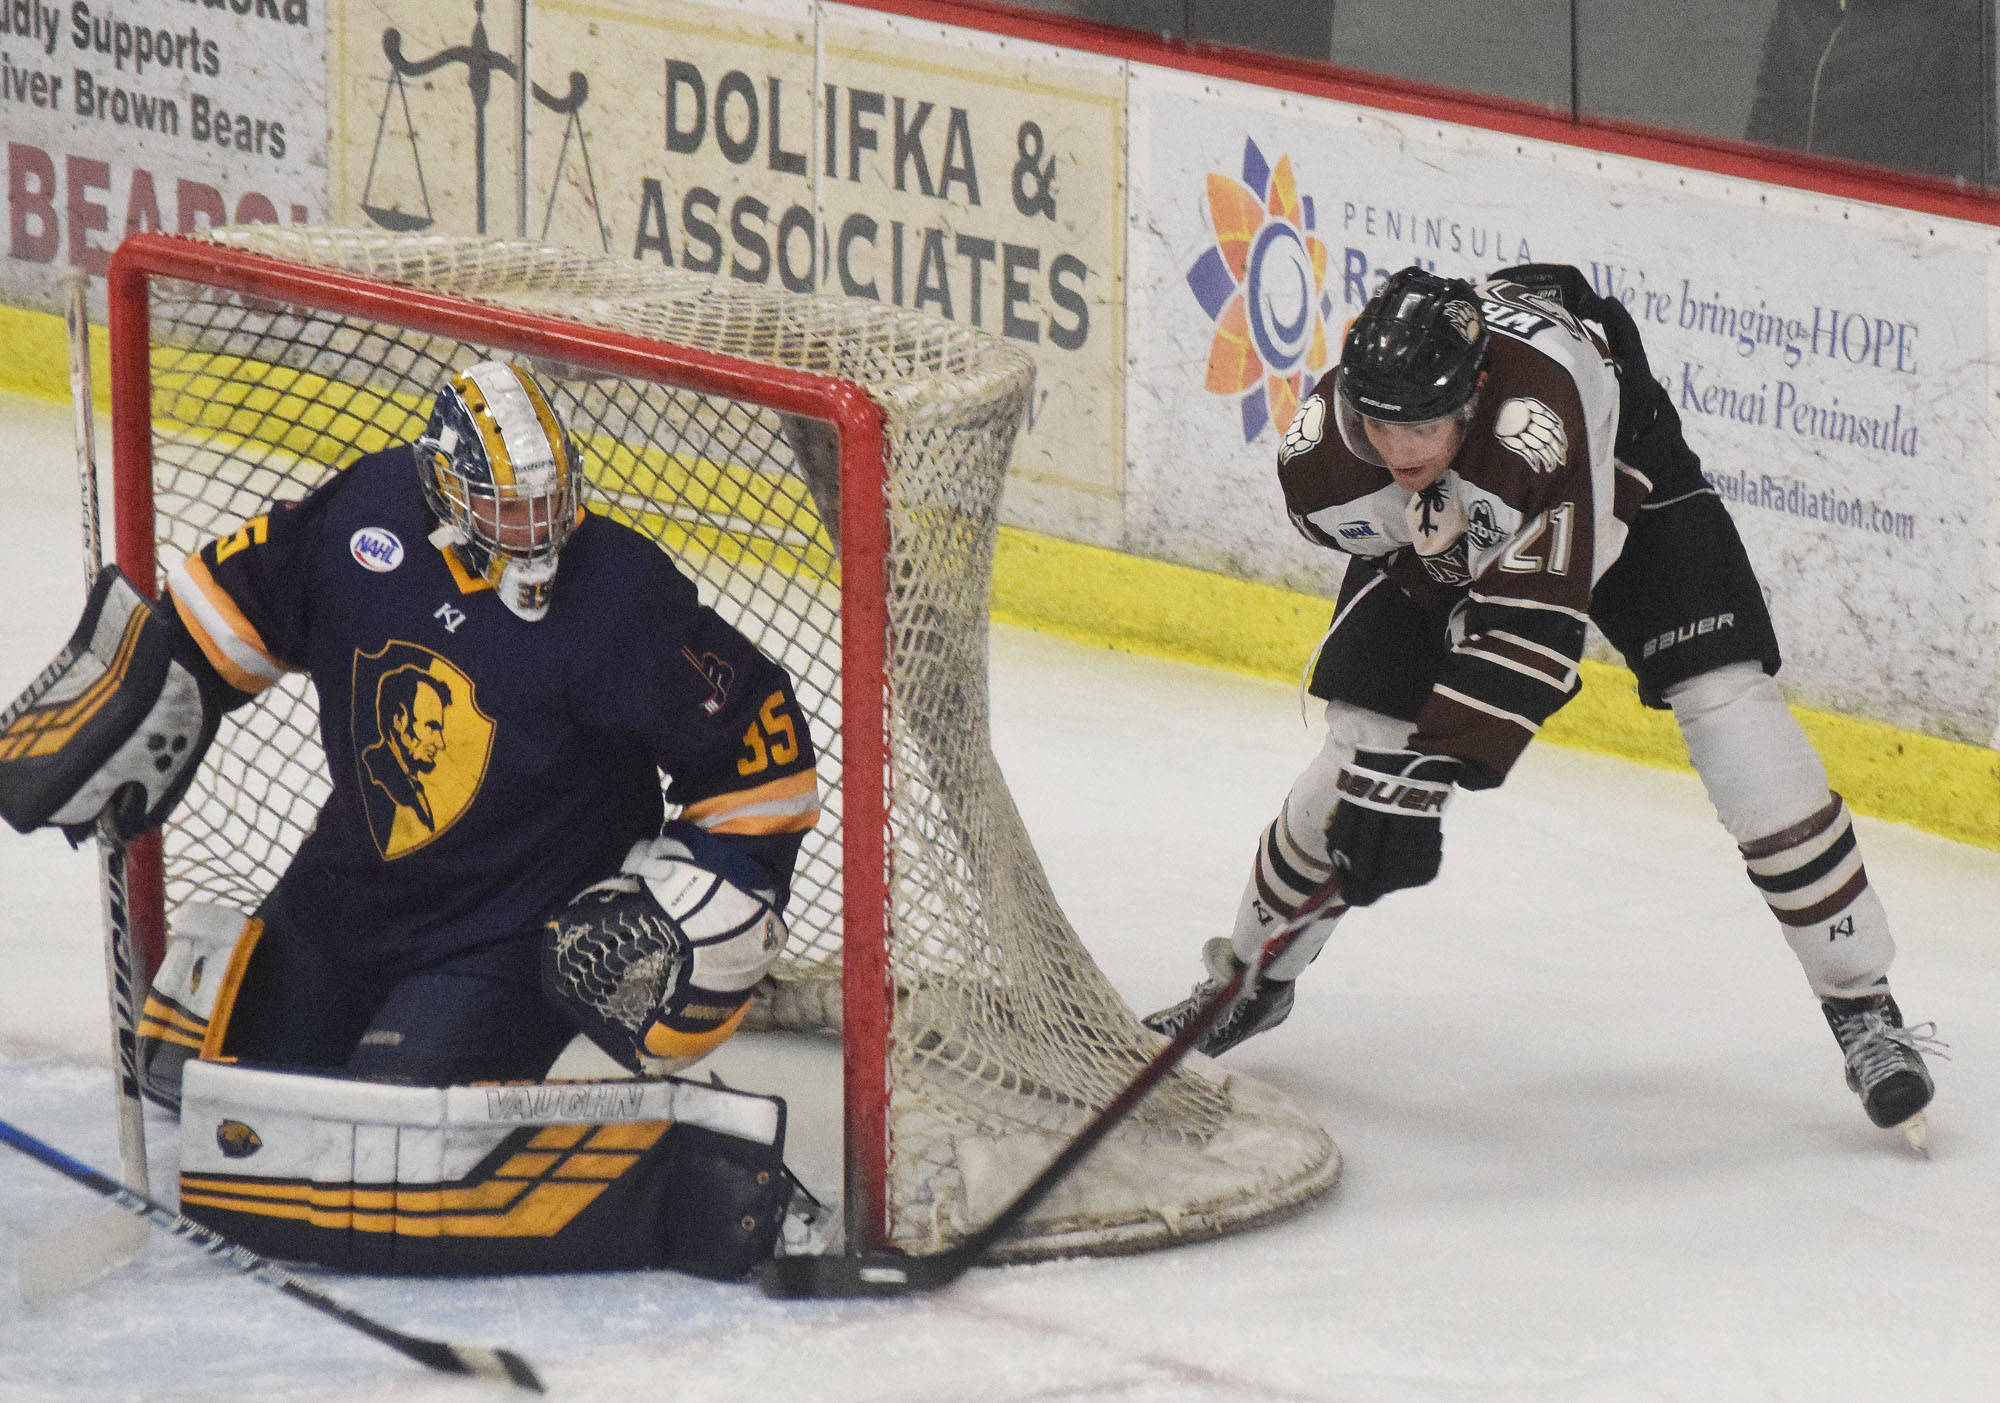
{"x":1415,"y":352}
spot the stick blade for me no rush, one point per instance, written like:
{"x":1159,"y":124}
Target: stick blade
{"x":58,"y":1264}
{"x":502,"y":1364}
{"x":447,"y":1358}
{"x":834,"y":1275}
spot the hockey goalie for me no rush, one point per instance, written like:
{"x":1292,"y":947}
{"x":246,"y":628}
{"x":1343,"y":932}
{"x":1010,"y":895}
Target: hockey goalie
{"x":503,"y":678}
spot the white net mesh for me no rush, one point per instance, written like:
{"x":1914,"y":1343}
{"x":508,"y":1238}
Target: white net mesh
{"x":1005,"y":1036}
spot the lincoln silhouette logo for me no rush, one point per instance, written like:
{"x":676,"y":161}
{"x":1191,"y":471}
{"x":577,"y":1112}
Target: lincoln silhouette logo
{"x":237,"y":1140}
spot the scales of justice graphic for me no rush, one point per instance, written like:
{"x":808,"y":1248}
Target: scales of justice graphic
{"x":481,"y":62}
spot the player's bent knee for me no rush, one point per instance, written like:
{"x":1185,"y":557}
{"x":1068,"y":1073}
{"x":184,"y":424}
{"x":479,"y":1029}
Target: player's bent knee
{"x":1348,"y":728}
{"x":114,"y":724}
{"x":187,"y":1007}
{"x":536,"y":1177}
{"x":1760,"y":770}
{"x":657,"y":965}
{"x":1709,"y":692}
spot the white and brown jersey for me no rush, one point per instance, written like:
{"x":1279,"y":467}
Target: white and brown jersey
{"x":1507,"y":545}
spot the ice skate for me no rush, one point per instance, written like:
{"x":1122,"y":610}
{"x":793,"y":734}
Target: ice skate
{"x":1262,"y":1006}
{"x":1885,"y":1064}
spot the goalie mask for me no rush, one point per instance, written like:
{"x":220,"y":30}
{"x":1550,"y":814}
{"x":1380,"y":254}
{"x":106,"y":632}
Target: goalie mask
{"x":501,"y":474}
{"x":1412,"y":358}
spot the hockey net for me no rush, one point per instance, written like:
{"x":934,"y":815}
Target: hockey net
{"x":722,"y":421}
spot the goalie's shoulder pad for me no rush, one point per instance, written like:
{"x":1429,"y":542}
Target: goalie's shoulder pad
{"x":114,"y":722}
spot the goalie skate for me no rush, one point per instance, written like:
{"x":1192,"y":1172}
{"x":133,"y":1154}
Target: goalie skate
{"x":1263,"y":1005}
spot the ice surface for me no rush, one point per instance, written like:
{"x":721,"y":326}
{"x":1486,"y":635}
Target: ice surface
{"x":1598,"y":1148}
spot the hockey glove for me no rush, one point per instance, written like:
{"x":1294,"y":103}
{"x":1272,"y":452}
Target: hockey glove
{"x":1386,"y":833}
{"x":115,"y":725}
{"x":1642,"y":403}
{"x":1566,"y":282}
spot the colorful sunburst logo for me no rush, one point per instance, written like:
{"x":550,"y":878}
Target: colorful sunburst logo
{"x":1263,"y":284}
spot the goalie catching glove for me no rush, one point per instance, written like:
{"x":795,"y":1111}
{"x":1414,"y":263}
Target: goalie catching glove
{"x":1387,"y":831}
{"x":115,"y":725}
{"x":657,"y":964}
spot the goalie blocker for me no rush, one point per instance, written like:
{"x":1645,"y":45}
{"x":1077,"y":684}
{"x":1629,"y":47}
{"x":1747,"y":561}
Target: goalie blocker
{"x":509,"y":1177}
{"x":114,"y":725}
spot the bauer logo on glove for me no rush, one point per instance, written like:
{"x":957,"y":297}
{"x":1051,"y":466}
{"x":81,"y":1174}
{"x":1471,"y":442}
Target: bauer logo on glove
{"x":1391,"y":796}
{"x":1386,"y":832}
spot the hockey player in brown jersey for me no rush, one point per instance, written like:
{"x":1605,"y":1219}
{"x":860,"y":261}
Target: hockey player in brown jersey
{"x":1501,"y":468}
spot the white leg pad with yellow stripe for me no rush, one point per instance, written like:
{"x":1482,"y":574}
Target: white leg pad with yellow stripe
{"x":544,"y":1176}
{"x":202,"y":941}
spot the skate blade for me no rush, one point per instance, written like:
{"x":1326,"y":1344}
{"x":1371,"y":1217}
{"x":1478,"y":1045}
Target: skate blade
{"x":1917,"y":1131}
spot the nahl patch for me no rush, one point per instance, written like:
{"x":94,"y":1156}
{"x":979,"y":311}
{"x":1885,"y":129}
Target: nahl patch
{"x":1534,"y":431}
{"x":376,"y":548}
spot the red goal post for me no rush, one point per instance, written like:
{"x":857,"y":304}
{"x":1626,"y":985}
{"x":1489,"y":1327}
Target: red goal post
{"x":977,"y":1032}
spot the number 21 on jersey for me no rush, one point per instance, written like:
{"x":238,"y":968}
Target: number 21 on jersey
{"x":1521,"y":557}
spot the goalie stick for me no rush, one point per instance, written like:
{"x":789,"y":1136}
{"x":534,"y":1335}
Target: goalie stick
{"x":446,"y":1358}
{"x":124,"y":976}
{"x":68,"y":1258}
{"x":836,"y":1274}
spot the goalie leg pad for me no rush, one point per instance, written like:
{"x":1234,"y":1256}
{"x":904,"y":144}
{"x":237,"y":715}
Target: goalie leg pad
{"x":657,"y":965}
{"x":206,"y":949}
{"x":534,"y":1177}
{"x":113,"y":723}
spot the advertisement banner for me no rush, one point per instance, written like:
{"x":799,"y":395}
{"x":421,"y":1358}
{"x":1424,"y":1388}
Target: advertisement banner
{"x":153,"y":115}
{"x":832,"y":151}
{"x":1829,"y":360}
{"x":426,"y":110}
{"x":983,"y":180}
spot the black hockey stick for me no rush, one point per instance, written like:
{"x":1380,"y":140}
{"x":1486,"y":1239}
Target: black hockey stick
{"x":433,"y":1354}
{"x":894,"y":1273}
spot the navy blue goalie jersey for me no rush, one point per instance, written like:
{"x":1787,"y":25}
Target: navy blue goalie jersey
{"x":486,"y":768}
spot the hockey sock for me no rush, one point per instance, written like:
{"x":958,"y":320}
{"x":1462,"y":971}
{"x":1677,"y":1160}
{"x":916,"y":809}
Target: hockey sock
{"x":1285,"y":876}
{"x":1292,"y":861}
{"x":1812,"y":877}
{"x":1770,"y":791}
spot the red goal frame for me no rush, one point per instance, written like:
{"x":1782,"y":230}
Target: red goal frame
{"x":864,"y":618}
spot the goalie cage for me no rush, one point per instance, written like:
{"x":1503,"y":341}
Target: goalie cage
{"x":830,"y":472}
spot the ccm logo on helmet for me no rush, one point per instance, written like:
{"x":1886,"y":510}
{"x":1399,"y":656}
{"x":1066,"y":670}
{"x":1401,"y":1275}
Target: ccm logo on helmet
{"x":376,"y":548}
